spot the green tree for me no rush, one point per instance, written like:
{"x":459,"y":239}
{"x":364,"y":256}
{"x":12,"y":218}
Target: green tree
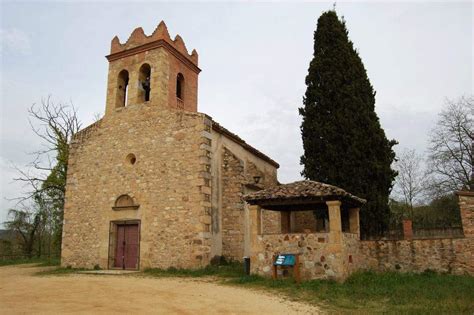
{"x":343,"y":141}
{"x":26,"y":224}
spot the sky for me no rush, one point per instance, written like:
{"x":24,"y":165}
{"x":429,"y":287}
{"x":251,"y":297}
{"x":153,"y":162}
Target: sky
{"x":254,"y":58}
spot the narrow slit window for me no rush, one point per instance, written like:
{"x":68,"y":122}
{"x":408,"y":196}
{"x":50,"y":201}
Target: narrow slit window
{"x":180,"y":86}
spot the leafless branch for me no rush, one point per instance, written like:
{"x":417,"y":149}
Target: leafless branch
{"x":451,"y":146}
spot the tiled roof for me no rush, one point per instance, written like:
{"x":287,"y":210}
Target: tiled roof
{"x":305,"y":189}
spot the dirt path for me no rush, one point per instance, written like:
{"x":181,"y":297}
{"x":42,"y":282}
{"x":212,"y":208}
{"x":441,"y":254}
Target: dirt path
{"x":22,"y":292}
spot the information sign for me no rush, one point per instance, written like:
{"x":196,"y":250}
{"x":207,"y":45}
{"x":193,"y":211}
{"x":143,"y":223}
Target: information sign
{"x":284,"y":260}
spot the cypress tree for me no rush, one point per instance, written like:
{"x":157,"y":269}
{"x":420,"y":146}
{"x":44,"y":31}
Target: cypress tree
{"x":344,"y":144}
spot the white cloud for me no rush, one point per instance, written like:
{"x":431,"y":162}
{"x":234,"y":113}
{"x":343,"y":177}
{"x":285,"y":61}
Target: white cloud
{"x":15,"y":41}
{"x":275,"y":131}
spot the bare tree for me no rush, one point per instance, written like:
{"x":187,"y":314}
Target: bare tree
{"x":410,"y":181}
{"x":55,"y":125}
{"x":451,"y":158}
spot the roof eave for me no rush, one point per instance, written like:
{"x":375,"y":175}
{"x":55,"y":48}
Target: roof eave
{"x":222,"y":130}
{"x":305,"y":200}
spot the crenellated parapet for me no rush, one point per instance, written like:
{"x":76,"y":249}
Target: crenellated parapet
{"x":138,"y":40}
{"x":154,"y":70}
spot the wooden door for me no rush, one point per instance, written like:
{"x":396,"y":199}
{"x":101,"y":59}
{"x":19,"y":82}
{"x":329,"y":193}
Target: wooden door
{"x":127,"y":246}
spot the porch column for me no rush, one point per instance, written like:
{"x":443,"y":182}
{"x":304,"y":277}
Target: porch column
{"x":335,"y":226}
{"x":354,"y":225}
{"x":255,"y":227}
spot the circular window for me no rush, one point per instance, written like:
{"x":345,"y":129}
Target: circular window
{"x":131,"y":158}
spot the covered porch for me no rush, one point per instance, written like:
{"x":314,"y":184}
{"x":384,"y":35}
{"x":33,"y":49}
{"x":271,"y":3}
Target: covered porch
{"x":319,"y":222}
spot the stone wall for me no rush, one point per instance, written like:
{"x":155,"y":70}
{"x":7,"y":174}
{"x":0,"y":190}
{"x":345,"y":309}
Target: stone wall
{"x":442,"y":255}
{"x":236,"y":174}
{"x":319,"y":259}
{"x":187,"y":182}
{"x":466,"y":206}
{"x":167,"y":180}
{"x":336,"y":255}
{"x":351,"y":259}
{"x":304,"y":221}
{"x":453,"y":255}
{"x":233,"y":177}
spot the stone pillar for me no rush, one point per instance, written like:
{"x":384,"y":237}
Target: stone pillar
{"x":466,"y":207}
{"x":407,"y":229}
{"x":133,"y":88}
{"x":255,"y":215}
{"x":335,"y":226}
{"x":335,"y":248}
{"x":354,"y":225}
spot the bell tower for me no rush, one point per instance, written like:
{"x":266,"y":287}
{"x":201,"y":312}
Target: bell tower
{"x":152,"y":71}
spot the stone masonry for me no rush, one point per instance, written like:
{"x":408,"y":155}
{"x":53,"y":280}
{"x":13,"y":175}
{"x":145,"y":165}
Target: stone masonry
{"x":337,"y":253}
{"x":453,"y":255}
{"x":235,"y":177}
{"x":157,"y":163}
{"x":165,"y":181}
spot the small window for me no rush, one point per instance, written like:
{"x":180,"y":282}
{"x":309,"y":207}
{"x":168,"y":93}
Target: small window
{"x":144,"y":83}
{"x":122,"y":89}
{"x":180,"y":86}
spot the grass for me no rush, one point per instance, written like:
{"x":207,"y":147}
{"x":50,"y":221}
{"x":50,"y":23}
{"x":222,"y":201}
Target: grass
{"x":229,"y":270}
{"x":396,"y":292}
{"x":60,"y":271}
{"x":363,"y":292}
{"x":40,"y":261}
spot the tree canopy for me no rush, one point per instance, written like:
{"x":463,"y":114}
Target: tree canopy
{"x":344,"y":144}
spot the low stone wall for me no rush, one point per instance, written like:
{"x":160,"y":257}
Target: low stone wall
{"x":452,"y":255}
{"x":318,"y":258}
{"x":438,"y":233}
{"x":447,"y":254}
{"x":336,"y":255}
{"x":322,"y":260}
{"x":351,"y":259}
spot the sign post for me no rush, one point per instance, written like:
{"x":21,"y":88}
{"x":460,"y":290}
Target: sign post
{"x":287,"y":260}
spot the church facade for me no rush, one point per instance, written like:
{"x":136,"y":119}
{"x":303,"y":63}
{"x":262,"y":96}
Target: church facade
{"x":155,"y":183}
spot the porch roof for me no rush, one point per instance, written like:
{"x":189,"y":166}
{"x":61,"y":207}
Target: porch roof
{"x":301,"y":195}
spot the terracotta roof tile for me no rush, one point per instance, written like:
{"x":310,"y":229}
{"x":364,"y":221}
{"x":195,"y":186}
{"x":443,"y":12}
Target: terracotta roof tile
{"x":300,"y":190}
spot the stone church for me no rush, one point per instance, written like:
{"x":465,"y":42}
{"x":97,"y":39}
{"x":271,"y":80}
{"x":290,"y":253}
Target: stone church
{"x":155,"y":183}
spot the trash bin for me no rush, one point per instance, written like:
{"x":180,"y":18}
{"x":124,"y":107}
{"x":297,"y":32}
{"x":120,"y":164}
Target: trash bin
{"x":247,"y":266}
